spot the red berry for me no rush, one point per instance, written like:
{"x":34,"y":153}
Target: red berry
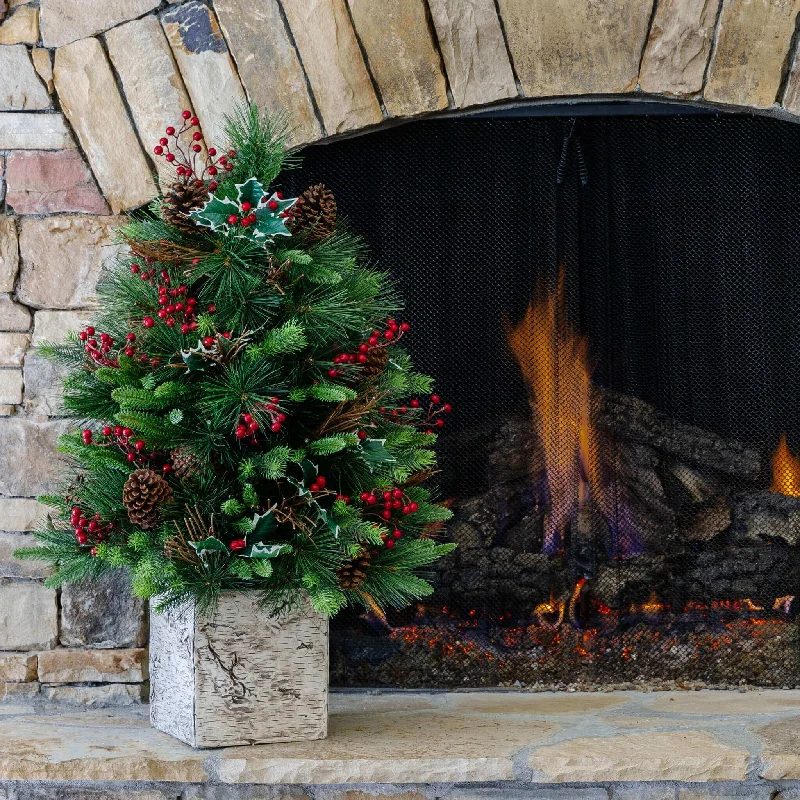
{"x":131,"y":337}
{"x":373,"y":340}
{"x":90,"y":330}
{"x":226,"y":335}
{"x":170,"y":130}
{"x":241,"y":432}
{"x":275,"y":427}
{"x":390,"y":543}
{"x":93,"y":551}
{"x":197,"y":136}
{"x":414,"y":507}
{"x":272,"y":205}
{"x":162,"y":313}
{"x":212,"y":308}
{"x":397,"y":503}
{"x":362,"y":359}
{"x":196,"y":148}
{"x":362,"y":435}
{"x":439,"y":423}
{"x":107,"y":430}
{"x":447,"y":408}
{"x":238,"y":544}
{"x":126,"y":431}
{"x":81,"y":537}
{"x":388,"y":334}
{"x":314,"y":487}
{"x":212,"y":186}
{"x":131,"y":457}
{"x":186,"y":114}
{"x":130,"y":352}
{"x":170,"y":157}
{"x":166,"y":468}
{"x":404,"y":326}
{"x":333,"y":372}
{"x":406,"y":510}
{"x":92,"y":526}
{"x":246,"y":206}
{"x":371,"y":500}
{"x":212,"y":151}
{"x":322,"y":481}
{"x":397,"y":533}
{"x":158,"y":149}
{"x":194,"y":121}
{"x":246,"y":222}
{"x":233,"y":219}
{"x":139,"y":444}
{"x":117,"y":430}
{"x":364,"y":496}
{"x":184,"y":328}
{"x":397,"y":493}
{"x":435,"y":398}
{"x":387,"y":495}
{"x":171,"y":322}
{"x":87,"y":435}
{"x":134,"y":268}
{"x":279,"y":195}
{"x":253,"y":426}
{"x":148,"y":322}
{"x":83,"y":336}
{"x":392,"y":324}
{"x":208,"y":341}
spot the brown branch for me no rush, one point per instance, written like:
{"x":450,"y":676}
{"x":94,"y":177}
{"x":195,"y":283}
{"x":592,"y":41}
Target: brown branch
{"x":348,"y":414}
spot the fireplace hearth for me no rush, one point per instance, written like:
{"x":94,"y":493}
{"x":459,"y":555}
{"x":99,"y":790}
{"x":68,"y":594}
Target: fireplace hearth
{"x":612,"y":306}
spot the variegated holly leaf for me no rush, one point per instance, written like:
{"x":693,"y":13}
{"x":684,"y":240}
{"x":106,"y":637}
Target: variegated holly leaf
{"x":215,"y":212}
{"x":251,"y":191}
{"x":270,"y":221}
{"x":198,"y":358}
{"x":207,"y":546}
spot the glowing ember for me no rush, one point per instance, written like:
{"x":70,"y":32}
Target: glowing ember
{"x":783,"y":603}
{"x":550,"y":614}
{"x":785,"y":471}
{"x":554,"y":361}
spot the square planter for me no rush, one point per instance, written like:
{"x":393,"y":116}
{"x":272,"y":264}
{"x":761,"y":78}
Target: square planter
{"x":239,"y":677}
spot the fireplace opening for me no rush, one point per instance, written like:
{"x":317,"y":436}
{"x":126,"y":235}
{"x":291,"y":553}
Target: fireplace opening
{"x":612,"y":305}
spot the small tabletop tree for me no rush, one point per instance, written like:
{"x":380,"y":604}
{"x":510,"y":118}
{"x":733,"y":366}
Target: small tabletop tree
{"x":250,"y":419}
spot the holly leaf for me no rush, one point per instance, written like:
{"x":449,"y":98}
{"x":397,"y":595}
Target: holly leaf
{"x":205,"y":547}
{"x":198,"y":358}
{"x":262,"y":525}
{"x":375,"y":453}
{"x":251,"y":191}
{"x":214,"y":214}
{"x":261,"y":550}
{"x":269,"y":222}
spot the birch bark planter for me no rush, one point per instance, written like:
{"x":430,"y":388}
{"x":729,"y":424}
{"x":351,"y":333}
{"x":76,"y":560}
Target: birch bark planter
{"x":240,"y":677}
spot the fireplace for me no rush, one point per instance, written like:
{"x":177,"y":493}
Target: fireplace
{"x":612,"y":305}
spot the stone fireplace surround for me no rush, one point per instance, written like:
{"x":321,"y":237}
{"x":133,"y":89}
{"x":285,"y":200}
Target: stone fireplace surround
{"x":84,"y":91}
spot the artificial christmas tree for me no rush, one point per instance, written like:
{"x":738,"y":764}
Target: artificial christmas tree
{"x":253,"y":426}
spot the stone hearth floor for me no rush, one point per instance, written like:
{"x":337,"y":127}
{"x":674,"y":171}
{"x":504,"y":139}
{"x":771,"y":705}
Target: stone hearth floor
{"x":439,"y":739}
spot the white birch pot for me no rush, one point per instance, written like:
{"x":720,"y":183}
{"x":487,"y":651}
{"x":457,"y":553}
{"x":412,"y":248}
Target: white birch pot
{"x":239,"y":677}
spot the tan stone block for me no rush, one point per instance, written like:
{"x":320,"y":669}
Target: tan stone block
{"x":53,"y":326}
{"x":9,"y":252}
{"x":688,"y":756}
{"x":566,"y":47}
{"x":43,"y":381}
{"x":206,"y":65}
{"x":49,"y":183}
{"x":753,"y":39}
{"x":93,"y":666}
{"x":540,"y":704}
{"x":780,"y":750}
{"x":65,"y":21}
{"x":11,"y":567}
{"x":150,"y":79}
{"x":20,"y":87}
{"x":17,"y":667}
{"x":11,"y":386}
{"x":678,"y":46}
{"x":478,"y":748}
{"x":27,"y":131}
{"x":473,"y":50}
{"x":63,"y":258}
{"x":28,"y":616}
{"x":7,"y":411}
{"x":714,"y":703}
{"x":334,"y":65}
{"x":267,"y":62}
{"x":13,"y":316}
{"x":401,"y":55}
{"x":12,"y":348}
{"x":29,"y":462}
{"x":21,"y":26}
{"x":20,"y":513}
{"x":14,"y":691}
{"x":82,"y":75}
{"x":112,"y":695}
{"x":43,"y":64}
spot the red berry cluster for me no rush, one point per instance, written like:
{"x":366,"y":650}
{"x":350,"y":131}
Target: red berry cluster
{"x":247,"y":426}
{"x":186,"y":161}
{"x":238,"y":544}
{"x":432,"y":418}
{"x":99,"y":351}
{"x":210,"y":341}
{"x":89,"y":530}
{"x":377,"y":339}
{"x":176,"y":306}
{"x":122,"y":438}
{"x":395,"y":503}
{"x":247,"y":214}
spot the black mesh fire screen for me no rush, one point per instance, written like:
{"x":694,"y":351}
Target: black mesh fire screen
{"x":613,"y":309}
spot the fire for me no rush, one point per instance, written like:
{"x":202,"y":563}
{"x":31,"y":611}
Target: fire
{"x":554,"y":361}
{"x":550,"y":614}
{"x":650,"y":607}
{"x":785,"y":470}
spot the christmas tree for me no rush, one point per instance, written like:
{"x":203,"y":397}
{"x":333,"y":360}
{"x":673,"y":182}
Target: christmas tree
{"x":250,"y":419}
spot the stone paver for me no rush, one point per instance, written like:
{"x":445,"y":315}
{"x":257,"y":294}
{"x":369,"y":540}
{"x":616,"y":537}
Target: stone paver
{"x":21,"y":26}
{"x":17,"y":667}
{"x":678,"y":46}
{"x":13,"y":315}
{"x":28,"y":616}
{"x":206,"y":65}
{"x":20,"y":86}
{"x":753,"y":41}
{"x":12,"y":348}
{"x":401,"y":55}
{"x":48,"y":183}
{"x":268,"y":63}
{"x":10,"y":386}
{"x":473,"y":50}
{"x":29,"y":464}
{"x":68,"y":665}
{"x":82,"y":75}
{"x":28,"y":131}
{"x":11,"y":567}
{"x":566,"y":47}
{"x":65,"y":21}
{"x":333,"y":63}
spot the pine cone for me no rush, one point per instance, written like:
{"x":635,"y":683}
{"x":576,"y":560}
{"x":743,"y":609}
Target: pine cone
{"x":143,"y":494}
{"x":179,"y":201}
{"x":377,"y":359}
{"x":314,"y":214}
{"x":354,"y":573}
{"x":184,"y":462}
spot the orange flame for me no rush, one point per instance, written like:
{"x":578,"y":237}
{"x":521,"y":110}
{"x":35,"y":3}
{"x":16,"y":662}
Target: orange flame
{"x":550,"y":614}
{"x":554,"y":361}
{"x":785,"y":470}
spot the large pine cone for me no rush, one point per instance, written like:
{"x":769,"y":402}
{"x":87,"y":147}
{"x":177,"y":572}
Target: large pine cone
{"x":143,"y":495}
{"x":179,"y":201}
{"x":354,"y":573}
{"x":377,"y":359}
{"x":314,"y":214}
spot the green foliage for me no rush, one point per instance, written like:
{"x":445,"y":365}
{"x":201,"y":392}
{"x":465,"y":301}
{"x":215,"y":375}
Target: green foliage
{"x":258,"y":414}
